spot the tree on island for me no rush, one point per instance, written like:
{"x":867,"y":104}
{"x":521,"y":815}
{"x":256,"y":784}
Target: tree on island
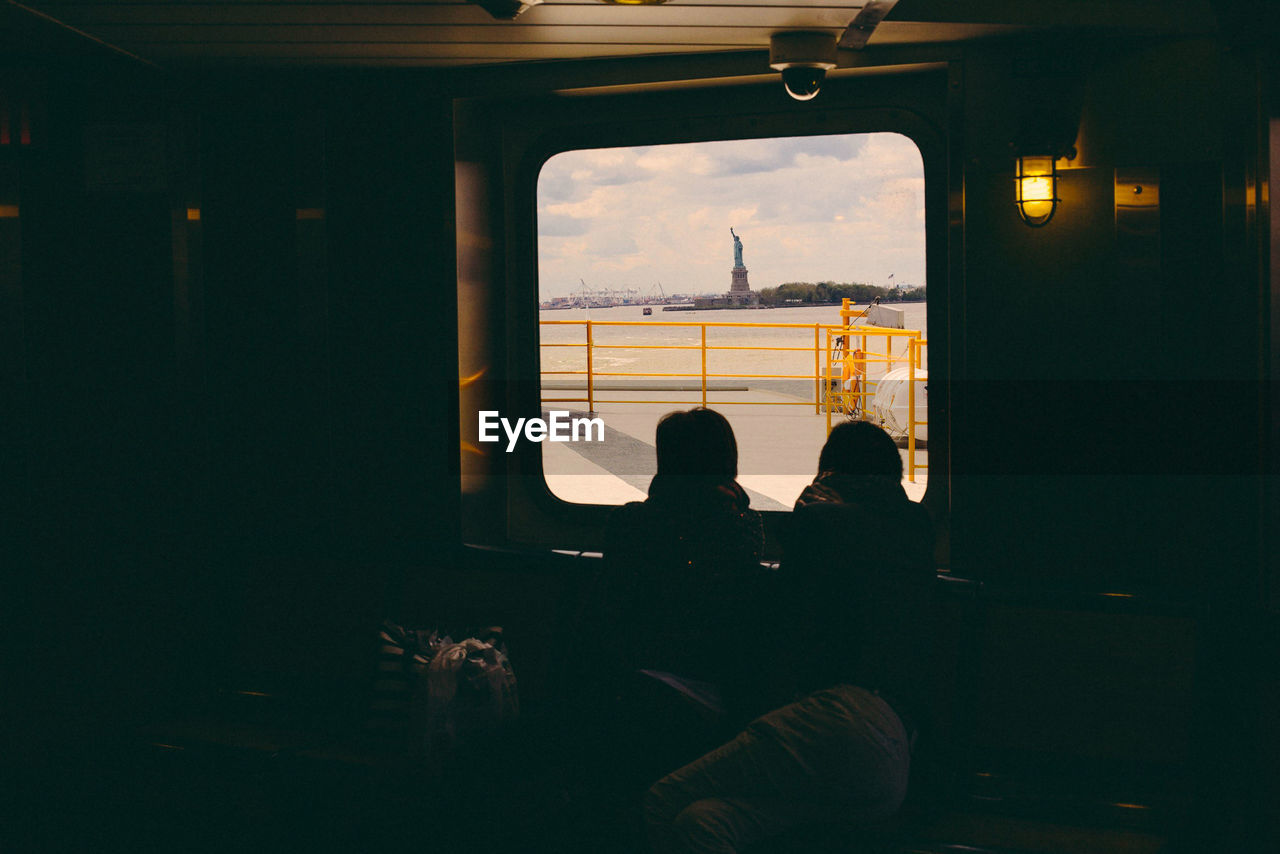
{"x":811,"y":293}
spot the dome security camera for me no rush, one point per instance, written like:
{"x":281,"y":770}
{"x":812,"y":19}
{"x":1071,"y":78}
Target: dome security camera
{"x":802,"y":82}
{"x":803,"y":59}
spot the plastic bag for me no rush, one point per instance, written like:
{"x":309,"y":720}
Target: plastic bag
{"x":450,"y":693}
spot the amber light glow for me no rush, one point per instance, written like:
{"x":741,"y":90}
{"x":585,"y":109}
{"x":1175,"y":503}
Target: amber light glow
{"x":1037,"y":184}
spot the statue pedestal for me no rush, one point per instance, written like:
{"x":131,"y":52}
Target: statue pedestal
{"x":740,"y":292}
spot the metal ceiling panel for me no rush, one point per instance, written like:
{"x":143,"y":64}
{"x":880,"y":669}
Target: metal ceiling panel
{"x":452,"y":32}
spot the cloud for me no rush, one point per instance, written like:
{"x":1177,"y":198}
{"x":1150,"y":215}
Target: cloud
{"x":552,"y":225}
{"x":747,"y":157}
{"x":676,"y":160}
{"x":611,"y":244}
{"x":842,"y":207}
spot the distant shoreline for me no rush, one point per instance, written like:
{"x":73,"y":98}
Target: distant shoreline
{"x":838,"y":302}
{"x":688,"y":307}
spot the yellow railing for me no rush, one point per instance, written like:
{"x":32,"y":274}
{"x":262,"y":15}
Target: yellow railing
{"x":591,"y":345}
{"x":844,"y":364}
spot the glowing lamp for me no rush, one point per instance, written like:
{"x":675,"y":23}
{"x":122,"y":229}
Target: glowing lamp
{"x":1037,"y":189}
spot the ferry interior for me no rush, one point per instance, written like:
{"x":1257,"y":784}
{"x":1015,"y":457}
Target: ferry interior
{"x":264,"y":263}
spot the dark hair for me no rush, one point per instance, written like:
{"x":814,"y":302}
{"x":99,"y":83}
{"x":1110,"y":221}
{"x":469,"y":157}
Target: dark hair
{"x":860,"y":448}
{"x":698,"y":442}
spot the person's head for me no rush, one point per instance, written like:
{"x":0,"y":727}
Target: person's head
{"x":697,"y":442}
{"x":860,"y":448}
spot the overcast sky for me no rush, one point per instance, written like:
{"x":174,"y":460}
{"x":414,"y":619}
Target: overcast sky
{"x":844,"y":208}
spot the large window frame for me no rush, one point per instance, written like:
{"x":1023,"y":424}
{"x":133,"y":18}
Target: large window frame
{"x":501,"y":148}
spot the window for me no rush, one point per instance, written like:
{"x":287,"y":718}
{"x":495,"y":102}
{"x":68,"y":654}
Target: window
{"x":522,"y":201}
{"x":675,"y":275}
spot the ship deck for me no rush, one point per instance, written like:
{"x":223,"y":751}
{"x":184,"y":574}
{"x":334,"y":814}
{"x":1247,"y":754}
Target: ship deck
{"x":778,"y":447}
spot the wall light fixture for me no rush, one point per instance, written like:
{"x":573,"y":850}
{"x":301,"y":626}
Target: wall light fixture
{"x":1036,"y":189}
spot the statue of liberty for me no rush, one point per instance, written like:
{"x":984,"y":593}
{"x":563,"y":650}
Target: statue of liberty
{"x":739,"y":288}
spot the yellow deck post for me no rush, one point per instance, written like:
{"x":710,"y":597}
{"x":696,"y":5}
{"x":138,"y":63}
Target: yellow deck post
{"x":704,"y":366}
{"x":911,"y":412}
{"x":817,"y":374}
{"x":826,"y":382}
{"x":591,"y":402}
{"x":865,"y":385}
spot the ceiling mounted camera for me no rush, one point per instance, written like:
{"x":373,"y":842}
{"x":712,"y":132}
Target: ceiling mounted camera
{"x":804,"y":60}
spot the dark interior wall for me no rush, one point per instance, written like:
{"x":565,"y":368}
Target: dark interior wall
{"x":331,"y":390}
{"x":1107,"y":407}
{"x":233,"y":409}
{"x":1105,"y":429}
{"x":94,"y":437}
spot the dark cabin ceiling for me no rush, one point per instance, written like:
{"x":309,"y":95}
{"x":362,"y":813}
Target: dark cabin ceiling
{"x":456,"y":33}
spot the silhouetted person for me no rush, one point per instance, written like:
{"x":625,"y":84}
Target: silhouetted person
{"x":681,"y":571}
{"x":857,"y":569}
{"x":859,"y":463}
